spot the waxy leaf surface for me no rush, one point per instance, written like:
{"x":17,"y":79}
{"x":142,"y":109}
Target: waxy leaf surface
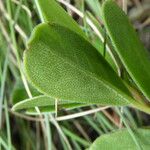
{"x":63,"y":65}
{"x":122,"y":140}
{"x":128,"y":46}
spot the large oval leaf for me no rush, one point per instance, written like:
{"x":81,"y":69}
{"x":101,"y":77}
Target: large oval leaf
{"x":63,"y":65}
{"x":128,"y":46}
{"x":122,"y":140}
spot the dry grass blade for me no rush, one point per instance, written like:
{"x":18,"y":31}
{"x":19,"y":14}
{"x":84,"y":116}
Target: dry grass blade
{"x":80,"y":114}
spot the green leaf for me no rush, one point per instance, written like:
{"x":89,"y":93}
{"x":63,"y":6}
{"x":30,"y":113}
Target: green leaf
{"x":19,"y":93}
{"x":53,"y":13}
{"x":45,"y":104}
{"x":65,"y":66}
{"x":100,"y":45}
{"x":121,"y":140}
{"x":128,"y":46}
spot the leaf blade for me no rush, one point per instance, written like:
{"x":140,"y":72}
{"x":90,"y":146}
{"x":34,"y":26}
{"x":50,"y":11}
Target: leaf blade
{"x":71,"y":58}
{"x":128,"y":46}
{"x":121,"y":139}
{"x":53,"y":13}
{"x":44,"y":103}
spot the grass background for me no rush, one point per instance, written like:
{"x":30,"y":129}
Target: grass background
{"x":22,"y":132}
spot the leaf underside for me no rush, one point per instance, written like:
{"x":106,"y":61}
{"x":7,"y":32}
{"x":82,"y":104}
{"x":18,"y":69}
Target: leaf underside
{"x":122,"y":140}
{"x":63,"y":65}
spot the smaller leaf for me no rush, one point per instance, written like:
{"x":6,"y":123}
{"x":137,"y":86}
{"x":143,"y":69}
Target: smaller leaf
{"x":121,"y":140}
{"x":52,"y":12}
{"x":45,"y":103}
{"x":128,"y":46}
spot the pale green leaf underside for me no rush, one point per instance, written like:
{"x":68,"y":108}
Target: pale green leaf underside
{"x":45,"y":104}
{"x":121,"y":140}
{"x":52,"y":12}
{"x":128,"y":46}
{"x":50,"y":7}
{"x":63,"y":65}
